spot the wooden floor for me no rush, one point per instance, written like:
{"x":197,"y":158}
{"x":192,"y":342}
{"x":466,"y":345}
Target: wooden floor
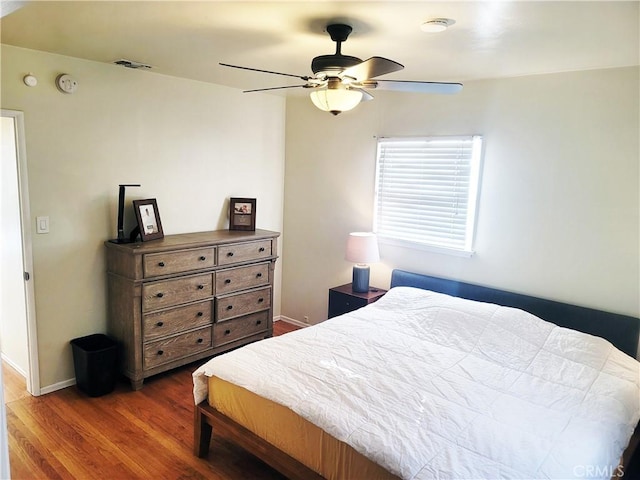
{"x":122,"y":435}
{"x":15,"y":386}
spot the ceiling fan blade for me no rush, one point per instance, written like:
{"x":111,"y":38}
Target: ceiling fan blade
{"x":366,"y":96}
{"x":417,"y":87}
{"x":306,"y":85}
{"x":370,"y":68}
{"x":265,"y":71}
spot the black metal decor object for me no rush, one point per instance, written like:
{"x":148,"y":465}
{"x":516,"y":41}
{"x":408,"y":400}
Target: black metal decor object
{"x":121,"y":236}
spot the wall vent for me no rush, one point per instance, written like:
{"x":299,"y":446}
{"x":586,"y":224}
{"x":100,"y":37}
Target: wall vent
{"x":131,"y":64}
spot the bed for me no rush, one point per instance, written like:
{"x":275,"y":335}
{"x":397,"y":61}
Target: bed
{"x":438,"y":379}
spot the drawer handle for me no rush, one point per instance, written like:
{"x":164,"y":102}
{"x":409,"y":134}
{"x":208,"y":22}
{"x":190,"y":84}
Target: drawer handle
{"x":203,"y":258}
{"x":160,"y":352}
{"x":260,"y":300}
{"x":261,"y":249}
{"x":229,"y":307}
{"x":200,"y":340}
{"x":161,"y":264}
{"x":227,"y":281}
{"x":258,"y":275}
{"x":159,"y":324}
{"x":227,"y":332}
{"x":160,"y":295}
{"x":258,"y":322}
{"x":200,"y":314}
{"x":200,"y":287}
{"x":230,"y":254}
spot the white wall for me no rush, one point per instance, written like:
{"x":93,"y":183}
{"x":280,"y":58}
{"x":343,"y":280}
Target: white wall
{"x":559,"y":206}
{"x":190,"y":144}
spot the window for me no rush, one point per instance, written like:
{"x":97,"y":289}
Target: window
{"x":426,"y":191}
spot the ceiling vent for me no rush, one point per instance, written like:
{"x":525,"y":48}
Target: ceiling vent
{"x":131,"y":64}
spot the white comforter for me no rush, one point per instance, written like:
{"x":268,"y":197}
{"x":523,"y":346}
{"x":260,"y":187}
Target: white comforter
{"x":431,"y":386}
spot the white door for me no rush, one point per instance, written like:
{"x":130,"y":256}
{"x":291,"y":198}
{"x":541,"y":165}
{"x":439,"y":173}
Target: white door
{"x":17,"y":313}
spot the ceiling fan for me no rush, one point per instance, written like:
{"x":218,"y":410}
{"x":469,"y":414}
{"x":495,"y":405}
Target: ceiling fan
{"x":340,"y":82}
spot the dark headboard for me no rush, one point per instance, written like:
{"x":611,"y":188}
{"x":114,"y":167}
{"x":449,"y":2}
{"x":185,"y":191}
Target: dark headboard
{"x":621,"y":330}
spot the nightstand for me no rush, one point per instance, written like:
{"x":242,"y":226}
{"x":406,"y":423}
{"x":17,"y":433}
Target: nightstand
{"x":343,"y":299}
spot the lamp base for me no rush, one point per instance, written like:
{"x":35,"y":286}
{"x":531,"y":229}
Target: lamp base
{"x":360,"y":281}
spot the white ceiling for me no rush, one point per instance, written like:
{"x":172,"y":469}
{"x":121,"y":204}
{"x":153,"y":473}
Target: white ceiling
{"x":188,"y":39}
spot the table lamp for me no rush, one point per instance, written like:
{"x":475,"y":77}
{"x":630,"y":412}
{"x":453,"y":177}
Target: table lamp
{"x":362,"y":248}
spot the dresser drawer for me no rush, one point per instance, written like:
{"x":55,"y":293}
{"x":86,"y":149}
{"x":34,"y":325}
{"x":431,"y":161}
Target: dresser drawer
{"x":343,"y":299}
{"x":167,"y":263}
{"x":340,"y":303}
{"x":241,"y":278}
{"x":167,"y":293}
{"x":164,"y":351}
{"x":230,"y":306}
{"x":246,"y":326}
{"x":243,"y":252}
{"x":168,"y":322}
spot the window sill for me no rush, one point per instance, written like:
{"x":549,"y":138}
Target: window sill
{"x":426,"y":248}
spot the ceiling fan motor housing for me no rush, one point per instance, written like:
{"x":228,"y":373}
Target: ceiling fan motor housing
{"x":333,"y":64}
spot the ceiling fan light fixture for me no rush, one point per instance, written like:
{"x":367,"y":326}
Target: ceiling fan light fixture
{"x":437,"y":25}
{"x":336,"y":100}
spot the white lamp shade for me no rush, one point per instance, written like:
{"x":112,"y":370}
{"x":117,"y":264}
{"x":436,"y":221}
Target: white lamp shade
{"x":362,"y":247}
{"x":336,"y":99}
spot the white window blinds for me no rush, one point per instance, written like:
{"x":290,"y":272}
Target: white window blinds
{"x":427,"y":190}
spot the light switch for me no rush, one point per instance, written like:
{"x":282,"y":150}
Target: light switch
{"x":42,"y":224}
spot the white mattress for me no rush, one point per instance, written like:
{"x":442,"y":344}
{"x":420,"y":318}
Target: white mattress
{"x":432,"y":386}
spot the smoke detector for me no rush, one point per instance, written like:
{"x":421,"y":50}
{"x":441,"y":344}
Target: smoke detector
{"x":437,"y":25}
{"x":66,"y":83}
{"x":131,"y":64}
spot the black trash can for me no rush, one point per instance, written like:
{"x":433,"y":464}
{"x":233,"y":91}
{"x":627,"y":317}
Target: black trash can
{"x":95,"y":359}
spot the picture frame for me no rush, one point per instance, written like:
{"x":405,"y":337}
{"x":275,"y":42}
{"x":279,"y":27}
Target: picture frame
{"x":148,"y":218}
{"x":242,"y":214}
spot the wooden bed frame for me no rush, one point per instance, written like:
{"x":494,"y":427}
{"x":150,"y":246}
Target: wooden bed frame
{"x":208,"y":418}
{"x":621,"y":330}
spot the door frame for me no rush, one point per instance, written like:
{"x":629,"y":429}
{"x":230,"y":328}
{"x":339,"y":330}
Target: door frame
{"x":33,"y":373}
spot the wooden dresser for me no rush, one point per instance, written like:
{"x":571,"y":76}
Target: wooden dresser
{"x":185,"y":297}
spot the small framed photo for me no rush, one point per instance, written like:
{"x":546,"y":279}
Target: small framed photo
{"x":242,"y":214}
{"x":148,"y":219}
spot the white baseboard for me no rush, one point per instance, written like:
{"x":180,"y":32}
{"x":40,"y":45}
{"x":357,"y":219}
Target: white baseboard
{"x":6,"y":360}
{"x":291,"y":320}
{"x":57,"y":386}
